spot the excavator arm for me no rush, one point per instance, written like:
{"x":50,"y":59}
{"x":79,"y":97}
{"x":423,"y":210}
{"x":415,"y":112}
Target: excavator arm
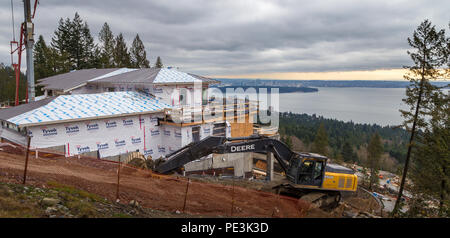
{"x":223,"y":145}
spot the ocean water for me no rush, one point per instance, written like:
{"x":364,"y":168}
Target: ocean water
{"x":360,"y":105}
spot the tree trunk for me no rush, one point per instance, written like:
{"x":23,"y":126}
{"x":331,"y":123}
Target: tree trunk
{"x":408,"y":155}
{"x":442,"y":197}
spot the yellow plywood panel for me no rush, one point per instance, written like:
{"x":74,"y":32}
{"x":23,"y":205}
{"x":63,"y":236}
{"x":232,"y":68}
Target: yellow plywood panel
{"x":241,"y":129}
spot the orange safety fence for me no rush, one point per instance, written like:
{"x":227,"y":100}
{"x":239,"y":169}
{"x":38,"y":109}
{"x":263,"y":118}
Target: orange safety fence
{"x":168,"y":192}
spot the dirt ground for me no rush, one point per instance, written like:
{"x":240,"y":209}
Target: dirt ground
{"x":165,"y":193}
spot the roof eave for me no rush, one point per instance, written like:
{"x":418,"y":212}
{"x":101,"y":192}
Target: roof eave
{"x":178,"y":83}
{"x":85,"y":119}
{"x":70,"y":89}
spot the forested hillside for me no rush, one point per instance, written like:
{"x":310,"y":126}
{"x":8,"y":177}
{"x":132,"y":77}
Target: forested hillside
{"x":305,"y":127}
{"x":8,"y":84}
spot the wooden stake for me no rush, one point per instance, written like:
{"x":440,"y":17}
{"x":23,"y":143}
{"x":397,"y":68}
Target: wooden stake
{"x":278,"y":202}
{"x":118,"y":180}
{"x":26,"y":161}
{"x":185,"y":195}
{"x":232,"y":199}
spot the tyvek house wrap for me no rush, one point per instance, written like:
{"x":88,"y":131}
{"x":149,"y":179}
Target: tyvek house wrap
{"x":171,"y":138}
{"x":82,"y":131}
{"x":171,"y":95}
{"x":116,"y":136}
{"x":175,"y":137}
{"x":108,"y":136}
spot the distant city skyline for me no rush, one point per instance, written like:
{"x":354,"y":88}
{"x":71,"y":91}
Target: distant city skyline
{"x":387,"y":75}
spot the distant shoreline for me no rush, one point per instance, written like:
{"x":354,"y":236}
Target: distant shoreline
{"x":281,"y":89}
{"x":317,"y":83}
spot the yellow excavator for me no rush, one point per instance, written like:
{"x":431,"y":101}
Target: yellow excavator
{"x":309,"y":176}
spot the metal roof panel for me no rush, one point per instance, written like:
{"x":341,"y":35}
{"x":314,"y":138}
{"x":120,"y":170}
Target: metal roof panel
{"x":84,"y":106}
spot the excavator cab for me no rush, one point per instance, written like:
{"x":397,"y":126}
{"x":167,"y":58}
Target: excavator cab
{"x":309,"y":170}
{"x":311,"y":173}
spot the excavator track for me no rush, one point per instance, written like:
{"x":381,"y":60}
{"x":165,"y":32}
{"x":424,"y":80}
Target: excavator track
{"x":325,"y":200}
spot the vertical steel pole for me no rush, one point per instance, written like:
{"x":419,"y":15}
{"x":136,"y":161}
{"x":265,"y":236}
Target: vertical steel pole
{"x":26,"y":161}
{"x":29,"y":28}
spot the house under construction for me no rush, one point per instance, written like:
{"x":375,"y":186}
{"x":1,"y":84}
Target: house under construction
{"x":107,"y":112}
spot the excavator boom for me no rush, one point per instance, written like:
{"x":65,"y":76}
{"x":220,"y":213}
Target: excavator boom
{"x":223,"y":145}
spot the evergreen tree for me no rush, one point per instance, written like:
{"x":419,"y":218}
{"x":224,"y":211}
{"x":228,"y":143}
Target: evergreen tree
{"x":96,"y":58}
{"x":42,"y":59}
{"x":428,"y":56}
{"x":375,"y":150}
{"x":60,"y":45}
{"x":338,"y":158}
{"x":60,"y":40}
{"x":287,"y":140}
{"x":90,"y":57}
{"x":74,"y":45}
{"x":106,"y":38}
{"x":8,"y":84}
{"x":121,"y":54}
{"x":321,"y":141}
{"x":81,"y":48}
{"x":447,"y":55}
{"x":75,"y":48}
{"x":348,"y":154}
{"x":430,"y":170}
{"x":365,"y":178}
{"x":41,"y":56}
{"x":159,"y":63}
{"x":55,"y":61}
{"x":138,"y":54}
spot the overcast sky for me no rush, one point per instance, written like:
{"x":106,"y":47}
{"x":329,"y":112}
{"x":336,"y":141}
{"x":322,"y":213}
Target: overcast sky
{"x":212,"y":37}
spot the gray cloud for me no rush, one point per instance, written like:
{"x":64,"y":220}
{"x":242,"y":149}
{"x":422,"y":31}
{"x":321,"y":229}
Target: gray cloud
{"x":239,"y":37}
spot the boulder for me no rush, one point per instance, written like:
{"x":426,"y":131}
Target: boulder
{"x":51,"y":210}
{"x":132,"y":203}
{"x":349,"y":214}
{"x":48,"y":202}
